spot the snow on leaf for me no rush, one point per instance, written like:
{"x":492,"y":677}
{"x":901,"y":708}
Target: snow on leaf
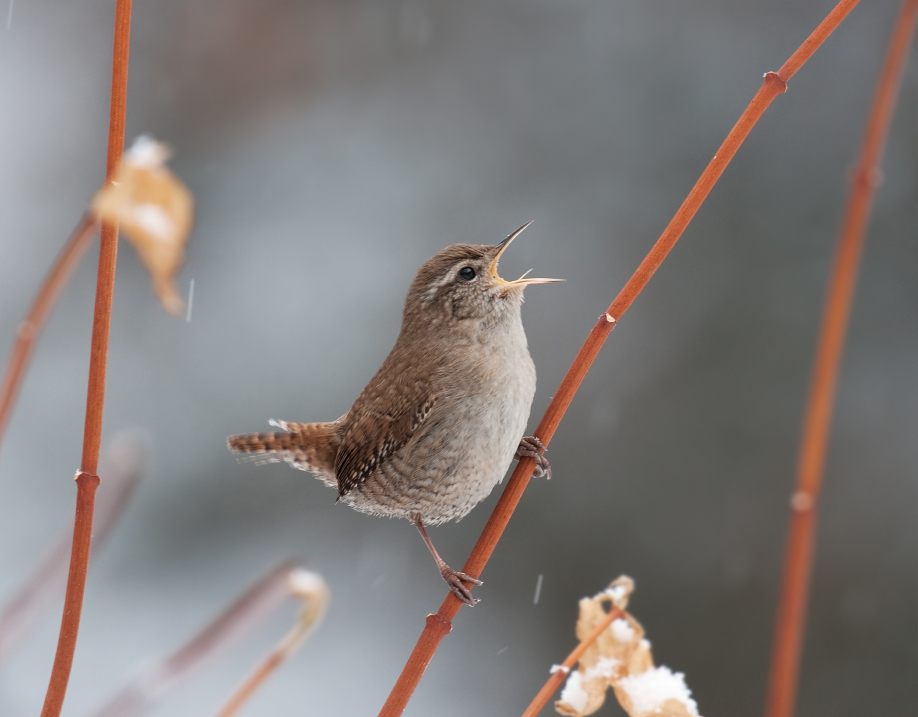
{"x":573,"y":693}
{"x":651,"y":691}
{"x":621,"y":658}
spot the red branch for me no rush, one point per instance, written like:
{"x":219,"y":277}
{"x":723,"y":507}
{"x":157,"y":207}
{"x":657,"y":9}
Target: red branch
{"x":798,"y":562}
{"x":87,"y":480}
{"x":123,"y":465}
{"x":557,"y":677}
{"x":31,"y":326}
{"x":440,"y":624}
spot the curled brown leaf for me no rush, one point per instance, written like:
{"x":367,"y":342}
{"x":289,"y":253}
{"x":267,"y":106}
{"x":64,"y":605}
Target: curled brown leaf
{"x":620,"y":658}
{"x":155,"y":211}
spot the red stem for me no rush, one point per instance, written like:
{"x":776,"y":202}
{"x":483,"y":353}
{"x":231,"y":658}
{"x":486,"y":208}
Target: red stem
{"x":557,"y":677}
{"x":791,"y":619}
{"x":438,"y":626}
{"x":251,"y":684}
{"x":34,"y":322}
{"x":21,"y":613}
{"x":87,"y":480}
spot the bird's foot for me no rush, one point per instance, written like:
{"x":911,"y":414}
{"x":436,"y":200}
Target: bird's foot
{"x":532,"y":447}
{"x":456,"y":581}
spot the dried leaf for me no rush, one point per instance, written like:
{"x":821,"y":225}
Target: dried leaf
{"x":620,"y":658}
{"x":154,"y":210}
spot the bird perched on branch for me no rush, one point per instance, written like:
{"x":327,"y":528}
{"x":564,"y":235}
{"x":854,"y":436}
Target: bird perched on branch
{"x":437,"y":426}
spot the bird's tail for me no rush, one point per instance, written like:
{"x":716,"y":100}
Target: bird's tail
{"x":307,"y":446}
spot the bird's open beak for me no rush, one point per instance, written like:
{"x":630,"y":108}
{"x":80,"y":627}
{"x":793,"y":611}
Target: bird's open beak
{"x":522,"y":281}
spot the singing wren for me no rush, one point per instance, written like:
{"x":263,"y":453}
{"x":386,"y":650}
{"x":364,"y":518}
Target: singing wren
{"x":436,"y":428}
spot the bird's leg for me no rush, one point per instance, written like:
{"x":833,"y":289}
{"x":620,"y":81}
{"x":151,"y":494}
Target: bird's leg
{"x":452,"y":577}
{"x":532,"y":447}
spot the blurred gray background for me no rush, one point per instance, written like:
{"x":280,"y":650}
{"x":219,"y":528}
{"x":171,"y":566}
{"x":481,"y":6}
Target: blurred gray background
{"x":333,"y":146}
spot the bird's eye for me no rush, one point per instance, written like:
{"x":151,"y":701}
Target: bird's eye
{"x":467,"y":273}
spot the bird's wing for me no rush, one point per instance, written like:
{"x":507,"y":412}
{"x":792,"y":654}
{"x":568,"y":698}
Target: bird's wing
{"x":383,"y":419}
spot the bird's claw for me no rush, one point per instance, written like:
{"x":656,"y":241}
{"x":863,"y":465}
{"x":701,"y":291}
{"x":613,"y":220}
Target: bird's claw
{"x":455,"y":580}
{"x":532,"y":447}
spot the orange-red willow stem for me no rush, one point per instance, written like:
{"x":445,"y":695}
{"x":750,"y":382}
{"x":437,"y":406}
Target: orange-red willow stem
{"x":34,"y":322}
{"x":557,"y":677}
{"x":439,"y":624}
{"x":87,"y":481}
{"x":798,"y":561}
{"x":251,"y":684}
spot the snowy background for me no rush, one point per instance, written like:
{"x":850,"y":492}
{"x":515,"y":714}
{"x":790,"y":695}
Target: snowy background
{"x":333,"y":146}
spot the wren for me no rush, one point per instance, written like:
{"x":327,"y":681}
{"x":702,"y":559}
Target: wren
{"x":436,"y":428}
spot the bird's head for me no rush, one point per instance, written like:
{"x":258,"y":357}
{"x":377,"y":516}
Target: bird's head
{"x":461,"y":282}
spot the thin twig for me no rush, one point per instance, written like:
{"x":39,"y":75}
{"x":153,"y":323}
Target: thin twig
{"x":439,"y":625}
{"x":313,"y":591}
{"x":798,"y":561}
{"x":32,"y":325}
{"x":558,"y":675}
{"x":87,"y":481}
{"x":252,"y":608}
{"x":123,"y":462}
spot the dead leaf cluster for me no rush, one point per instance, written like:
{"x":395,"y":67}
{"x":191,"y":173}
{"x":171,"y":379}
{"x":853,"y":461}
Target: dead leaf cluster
{"x":621,"y":658}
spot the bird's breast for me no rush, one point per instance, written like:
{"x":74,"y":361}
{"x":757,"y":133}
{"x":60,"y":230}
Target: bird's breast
{"x":464,"y":447}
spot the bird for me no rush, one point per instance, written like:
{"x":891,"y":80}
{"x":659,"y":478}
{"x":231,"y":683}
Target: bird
{"x":440,"y":422}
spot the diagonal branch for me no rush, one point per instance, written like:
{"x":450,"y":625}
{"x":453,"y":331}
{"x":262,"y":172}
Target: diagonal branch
{"x":798,"y":561}
{"x":439,"y":625}
{"x":32,"y":325}
{"x":259,"y":602}
{"x":560,"y":674}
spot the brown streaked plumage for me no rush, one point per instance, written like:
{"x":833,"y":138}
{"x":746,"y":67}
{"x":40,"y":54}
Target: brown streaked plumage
{"x":436,"y":428}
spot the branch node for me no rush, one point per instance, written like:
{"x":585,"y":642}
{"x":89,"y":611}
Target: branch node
{"x":873,"y":177}
{"x":93,"y":480}
{"x":774,"y":77}
{"x":608,"y":317}
{"x":441,"y":624}
{"x":802,"y":501}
